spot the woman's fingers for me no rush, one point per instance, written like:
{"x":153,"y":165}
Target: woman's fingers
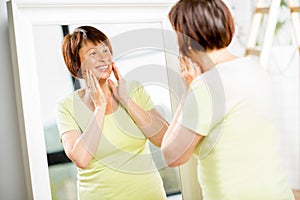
{"x":93,"y":83}
{"x":188,"y":69}
{"x":96,"y":84}
{"x":112,"y":87}
{"x":189,"y":64}
{"x":86,"y":78}
{"x":116,"y":71}
{"x":110,"y":84}
{"x":182,"y":64}
{"x":95,"y":91}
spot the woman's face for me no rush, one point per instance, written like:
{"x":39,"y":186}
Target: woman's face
{"x":97,"y":58}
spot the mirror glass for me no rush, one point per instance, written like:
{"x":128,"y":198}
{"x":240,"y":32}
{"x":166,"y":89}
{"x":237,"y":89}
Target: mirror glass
{"x":143,"y":63}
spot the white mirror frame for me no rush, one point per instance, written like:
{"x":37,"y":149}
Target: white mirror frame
{"x":22,"y":16}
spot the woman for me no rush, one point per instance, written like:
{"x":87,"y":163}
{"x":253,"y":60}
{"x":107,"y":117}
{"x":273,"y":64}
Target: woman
{"x":104,"y":127}
{"x":227,"y":119}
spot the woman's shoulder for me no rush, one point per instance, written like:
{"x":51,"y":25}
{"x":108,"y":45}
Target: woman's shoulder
{"x":134,"y":86}
{"x":242,"y":68}
{"x":67,"y":98}
{"x":239,"y":62}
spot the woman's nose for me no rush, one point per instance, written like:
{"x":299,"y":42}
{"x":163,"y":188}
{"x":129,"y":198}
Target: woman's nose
{"x":103,"y":59}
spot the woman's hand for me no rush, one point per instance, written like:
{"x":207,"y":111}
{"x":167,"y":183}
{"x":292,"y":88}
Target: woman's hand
{"x":120,"y":92}
{"x":94,"y":90}
{"x":189,"y":70}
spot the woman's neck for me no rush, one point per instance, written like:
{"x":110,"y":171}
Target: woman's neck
{"x":207,"y":60}
{"x":105,"y":88}
{"x":220,"y":56}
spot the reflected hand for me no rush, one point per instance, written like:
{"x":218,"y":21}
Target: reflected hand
{"x":189,"y":70}
{"x":120,"y":91}
{"x":94,"y":90}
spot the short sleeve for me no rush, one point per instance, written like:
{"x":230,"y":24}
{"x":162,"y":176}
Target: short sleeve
{"x":64,"y":119}
{"x":140,"y":96}
{"x":197,"y":108}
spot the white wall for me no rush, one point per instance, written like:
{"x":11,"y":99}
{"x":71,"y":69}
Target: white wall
{"x":12,"y":176}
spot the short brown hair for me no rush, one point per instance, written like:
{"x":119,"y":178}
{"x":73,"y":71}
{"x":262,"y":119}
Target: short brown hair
{"x":73,"y":42}
{"x":202,"y":24}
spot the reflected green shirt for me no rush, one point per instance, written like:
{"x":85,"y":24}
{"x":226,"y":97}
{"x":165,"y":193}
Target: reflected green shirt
{"x":122,"y":168}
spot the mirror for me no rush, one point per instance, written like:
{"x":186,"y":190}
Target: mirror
{"x":137,"y":61}
{"x":41,"y":76}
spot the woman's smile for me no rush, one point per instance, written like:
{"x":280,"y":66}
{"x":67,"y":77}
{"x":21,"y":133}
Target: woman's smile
{"x":101,"y":67}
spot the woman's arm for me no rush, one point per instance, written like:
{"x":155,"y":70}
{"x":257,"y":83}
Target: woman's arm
{"x":151,"y":123}
{"x":80,"y":148}
{"x":179,"y":142}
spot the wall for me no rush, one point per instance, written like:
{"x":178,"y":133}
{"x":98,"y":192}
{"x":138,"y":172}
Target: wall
{"x":12,"y":176}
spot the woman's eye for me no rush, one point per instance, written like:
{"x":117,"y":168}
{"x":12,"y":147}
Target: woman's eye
{"x":105,"y":51}
{"x":92,"y":54}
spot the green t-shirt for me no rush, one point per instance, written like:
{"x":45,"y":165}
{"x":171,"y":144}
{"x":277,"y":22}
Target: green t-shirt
{"x":233,"y":108}
{"x":122,"y":167}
